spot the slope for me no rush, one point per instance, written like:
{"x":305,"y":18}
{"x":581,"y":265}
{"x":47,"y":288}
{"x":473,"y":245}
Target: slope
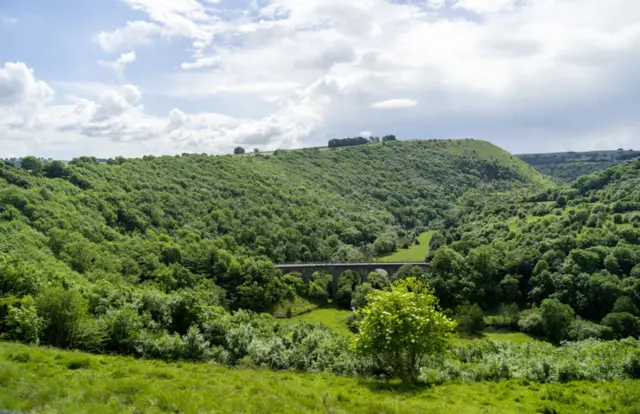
{"x":568,"y":166}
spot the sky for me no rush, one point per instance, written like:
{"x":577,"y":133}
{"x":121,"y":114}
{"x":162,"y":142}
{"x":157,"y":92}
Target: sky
{"x":135,"y":77}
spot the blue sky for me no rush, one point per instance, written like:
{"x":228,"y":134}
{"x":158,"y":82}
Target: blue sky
{"x":134,"y":77}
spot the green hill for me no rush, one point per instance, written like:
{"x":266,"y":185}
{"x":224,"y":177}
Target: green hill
{"x":568,"y":166}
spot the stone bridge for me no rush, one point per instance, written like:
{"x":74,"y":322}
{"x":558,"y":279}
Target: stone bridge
{"x":337,"y":268}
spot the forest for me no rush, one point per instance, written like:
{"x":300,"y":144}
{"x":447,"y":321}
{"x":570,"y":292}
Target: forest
{"x":174,"y":257}
{"x":568,"y":166}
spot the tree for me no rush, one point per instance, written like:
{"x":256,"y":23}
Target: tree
{"x":256,"y":151}
{"x":388,"y":138}
{"x":239,"y":150}
{"x":625,"y":304}
{"x":56,"y":169}
{"x":470,"y":318}
{"x":623,"y":324}
{"x":32,"y":164}
{"x":359,"y":297}
{"x":400,"y":328}
{"x":556,"y":319}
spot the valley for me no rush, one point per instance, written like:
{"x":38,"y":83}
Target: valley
{"x":153,"y":284}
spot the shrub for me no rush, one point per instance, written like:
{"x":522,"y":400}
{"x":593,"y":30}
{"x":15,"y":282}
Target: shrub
{"x":470,"y":319}
{"x":531,"y":322}
{"x":581,"y":330}
{"x":622,"y":324}
{"x":401,"y":328}
{"x":631,"y":365}
{"x":23,"y":323}
{"x":123,"y":327}
{"x":556,"y":319}
{"x":62,"y":311}
{"x":624,"y":304}
{"x":196,"y":348}
{"x":359,"y":298}
{"x":18,"y":278}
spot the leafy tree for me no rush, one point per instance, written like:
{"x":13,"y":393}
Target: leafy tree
{"x":556,"y":319}
{"x":624,"y":304}
{"x":622,"y":324}
{"x":32,"y":164}
{"x":359,"y":298}
{"x":62,"y":311}
{"x":400,"y":328}
{"x":470,"y":318}
{"x":239,"y":150}
{"x":388,"y":138}
{"x":56,"y":169}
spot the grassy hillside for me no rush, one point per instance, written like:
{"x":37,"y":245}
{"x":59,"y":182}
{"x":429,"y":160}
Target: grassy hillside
{"x":31,"y":378}
{"x":568,"y":166}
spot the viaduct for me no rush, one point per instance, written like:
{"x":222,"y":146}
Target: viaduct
{"x":336,"y":269}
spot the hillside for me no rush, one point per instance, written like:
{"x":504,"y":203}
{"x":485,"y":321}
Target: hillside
{"x":578,"y":244}
{"x":568,"y":166}
{"x":157,"y":218}
{"x":172,"y":258}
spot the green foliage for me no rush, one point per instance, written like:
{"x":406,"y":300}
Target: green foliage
{"x":624,"y":304}
{"x":62,"y":312}
{"x":360,"y":295}
{"x":622,"y":324}
{"x":557,"y":318}
{"x":400,"y":328}
{"x":23,"y":323}
{"x":470,"y":318}
{"x":32,"y":164}
{"x":18,"y":278}
{"x":568,"y":166}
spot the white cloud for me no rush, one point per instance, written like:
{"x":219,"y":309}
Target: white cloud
{"x":18,"y":86}
{"x":488,"y":6}
{"x":121,"y":63}
{"x":395,"y":104}
{"x":283,"y":73}
{"x":134,"y":34}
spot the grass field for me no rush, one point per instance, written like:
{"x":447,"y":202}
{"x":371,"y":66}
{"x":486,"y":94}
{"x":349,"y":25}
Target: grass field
{"x":51,"y":381}
{"x":415,"y":253}
{"x":331,"y":316}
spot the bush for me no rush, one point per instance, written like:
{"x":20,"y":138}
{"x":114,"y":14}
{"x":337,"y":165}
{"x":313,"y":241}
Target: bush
{"x":359,"y":298}
{"x":23,"y":323}
{"x":18,"y":278}
{"x":470,"y":319}
{"x":556,"y":319}
{"x":123,"y":327}
{"x":581,"y":330}
{"x":631,"y":365}
{"x":531,"y":322}
{"x":196,"y":348}
{"x":62,"y":311}
{"x":622,"y":324}
{"x":401,"y":328}
{"x":624,"y":304}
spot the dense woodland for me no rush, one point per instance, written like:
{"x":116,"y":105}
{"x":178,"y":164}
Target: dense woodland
{"x":568,"y":166}
{"x":173,"y":257}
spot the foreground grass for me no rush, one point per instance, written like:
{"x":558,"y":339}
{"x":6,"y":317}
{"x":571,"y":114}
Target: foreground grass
{"x":331,"y":316}
{"x":52,"y":381}
{"x":415,"y":253}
